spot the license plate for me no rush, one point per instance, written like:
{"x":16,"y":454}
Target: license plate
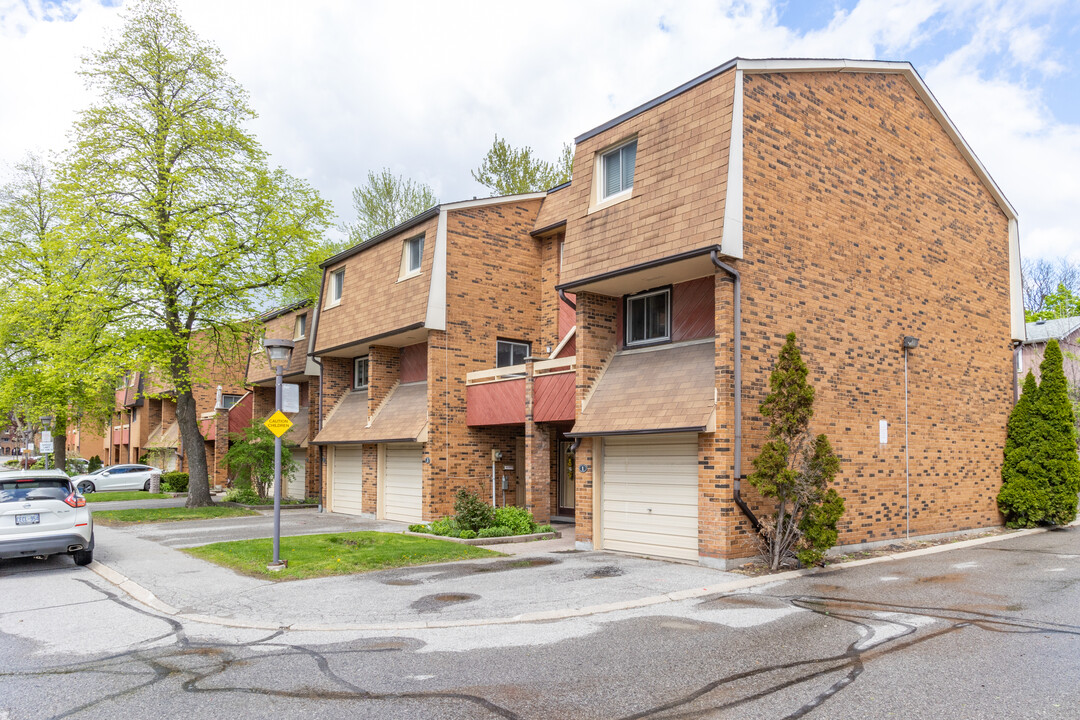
{"x":33,"y":519}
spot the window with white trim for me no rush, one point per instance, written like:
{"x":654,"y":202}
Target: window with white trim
{"x":360,"y":373}
{"x":337,"y":286}
{"x":617,"y":170}
{"x":300,"y":331}
{"x":227,"y":401}
{"x":510,"y":352}
{"x":412,"y":255}
{"x":648,"y":317}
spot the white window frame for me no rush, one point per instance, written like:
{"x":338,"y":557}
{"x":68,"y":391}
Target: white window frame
{"x":224,"y":402}
{"x":337,"y":285}
{"x":300,"y":327}
{"x":600,"y":197}
{"x":407,"y":271}
{"x":666,"y":337}
{"x":511,"y":343}
{"x":356,"y":372}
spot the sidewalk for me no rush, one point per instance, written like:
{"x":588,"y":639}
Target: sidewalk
{"x":542,"y":581}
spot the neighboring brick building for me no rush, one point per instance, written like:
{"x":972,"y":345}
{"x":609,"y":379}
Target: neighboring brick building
{"x":587,"y":334}
{"x":291,"y":323}
{"x":1067,"y":332}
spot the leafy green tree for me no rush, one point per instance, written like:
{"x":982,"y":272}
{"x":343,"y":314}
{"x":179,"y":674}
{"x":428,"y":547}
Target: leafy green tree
{"x":1024,"y":495}
{"x":251,"y":458}
{"x":386,"y":201}
{"x":1054,"y":447}
{"x":509,"y":171}
{"x":179,"y":196}
{"x":54,"y":349}
{"x":795,"y":468}
{"x":1061,"y":303}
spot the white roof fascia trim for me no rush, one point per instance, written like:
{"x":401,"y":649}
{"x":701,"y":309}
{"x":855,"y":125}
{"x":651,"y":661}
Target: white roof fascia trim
{"x":435,"y":319}
{"x":562,"y":343}
{"x":913,"y":77}
{"x":1016,"y":291}
{"x":490,"y":201}
{"x":731,"y":241}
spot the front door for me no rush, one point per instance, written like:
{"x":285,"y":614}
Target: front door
{"x":566,"y":479}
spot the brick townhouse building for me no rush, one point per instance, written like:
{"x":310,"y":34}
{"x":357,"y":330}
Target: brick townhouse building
{"x":605,"y":346}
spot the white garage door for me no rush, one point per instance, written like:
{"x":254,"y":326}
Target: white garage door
{"x":403,"y":482}
{"x":649,"y":498}
{"x":347,"y":478}
{"x":296,"y":487}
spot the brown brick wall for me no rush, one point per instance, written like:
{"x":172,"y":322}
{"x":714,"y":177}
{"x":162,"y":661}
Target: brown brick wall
{"x":337,"y":379}
{"x":680,"y":183}
{"x":374,"y":301}
{"x":384,"y":366}
{"x":282,"y":327}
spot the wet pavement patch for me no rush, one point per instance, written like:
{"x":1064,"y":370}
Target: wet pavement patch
{"x":606,"y":571}
{"x":436,"y":603}
{"x":402,"y":582}
{"x":454,"y":571}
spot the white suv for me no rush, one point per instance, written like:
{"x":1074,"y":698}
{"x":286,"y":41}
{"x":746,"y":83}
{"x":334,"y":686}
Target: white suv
{"x":41,"y":514}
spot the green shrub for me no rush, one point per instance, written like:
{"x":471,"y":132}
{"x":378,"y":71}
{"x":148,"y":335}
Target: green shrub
{"x":496,"y":531}
{"x":519,"y":520}
{"x":471,"y":512}
{"x":419,"y":528}
{"x":448,"y":527}
{"x":95,"y":464}
{"x":244,"y":496}
{"x":467,"y":535}
{"x":818,"y":527}
{"x":545,"y":529}
{"x":174,"y":482}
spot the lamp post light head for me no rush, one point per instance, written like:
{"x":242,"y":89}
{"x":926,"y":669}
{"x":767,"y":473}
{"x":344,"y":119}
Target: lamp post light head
{"x":910,"y":342}
{"x":46,"y":420}
{"x":278,"y":352}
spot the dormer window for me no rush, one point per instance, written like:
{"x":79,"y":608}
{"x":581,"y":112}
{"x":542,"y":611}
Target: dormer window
{"x":412,"y":255}
{"x":337,"y":287}
{"x":360,"y":373}
{"x":617,"y":170}
{"x":300,"y":331}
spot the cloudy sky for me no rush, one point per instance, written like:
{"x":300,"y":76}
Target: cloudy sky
{"x":345,"y":86}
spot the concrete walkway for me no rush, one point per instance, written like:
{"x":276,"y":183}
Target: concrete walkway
{"x":540,"y":581}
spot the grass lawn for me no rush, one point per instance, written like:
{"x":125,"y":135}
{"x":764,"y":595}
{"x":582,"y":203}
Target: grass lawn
{"x":312,"y":556}
{"x":127,"y":495}
{"x":168,"y":514}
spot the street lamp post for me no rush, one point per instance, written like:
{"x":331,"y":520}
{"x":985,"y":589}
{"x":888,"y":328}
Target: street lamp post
{"x":46,"y":421}
{"x":278,"y":352}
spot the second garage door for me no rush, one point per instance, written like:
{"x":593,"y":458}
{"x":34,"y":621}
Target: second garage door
{"x":649,"y":497}
{"x":346,"y":495}
{"x":403,"y":482}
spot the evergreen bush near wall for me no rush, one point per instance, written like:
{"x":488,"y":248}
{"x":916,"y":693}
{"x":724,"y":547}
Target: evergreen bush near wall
{"x":1024,"y":496}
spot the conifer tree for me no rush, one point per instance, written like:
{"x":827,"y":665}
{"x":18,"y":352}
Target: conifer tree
{"x":1024,"y":495}
{"x":1054,"y":447}
{"x":795,"y":468}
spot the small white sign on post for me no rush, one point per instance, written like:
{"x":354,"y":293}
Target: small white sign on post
{"x":46,"y":436}
{"x":30,"y":448}
{"x":46,"y":446}
{"x":290,"y":398}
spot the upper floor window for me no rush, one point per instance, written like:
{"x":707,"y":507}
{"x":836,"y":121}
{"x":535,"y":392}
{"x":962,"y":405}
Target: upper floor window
{"x":510,"y":352}
{"x":337,"y":286}
{"x":648,"y":317}
{"x":227,"y":401}
{"x":617,"y":168}
{"x":412,"y":255}
{"x":300,"y":331}
{"x":360,"y":373}
{"x":257,"y":346}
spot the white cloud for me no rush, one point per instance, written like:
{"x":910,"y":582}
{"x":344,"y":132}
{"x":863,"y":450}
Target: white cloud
{"x":343,"y":88}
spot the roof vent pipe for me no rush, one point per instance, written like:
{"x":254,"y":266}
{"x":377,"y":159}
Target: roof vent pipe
{"x":737,"y":311}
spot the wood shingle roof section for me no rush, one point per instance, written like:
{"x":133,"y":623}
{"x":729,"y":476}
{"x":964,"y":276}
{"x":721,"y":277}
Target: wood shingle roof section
{"x":375,"y":299}
{"x":402,"y":417}
{"x":346,"y":420}
{"x":282,"y":326}
{"x":653,"y":391}
{"x":553,"y":212}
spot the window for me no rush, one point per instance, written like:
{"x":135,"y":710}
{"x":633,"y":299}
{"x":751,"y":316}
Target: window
{"x":360,"y":373}
{"x":337,"y":286}
{"x":648,"y":317}
{"x":300,"y":331}
{"x":227,"y":401}
{"x":412,"y":255}
{"x":510,"y":352}
{"x":617,"y":168}
{"x":257,"y":346}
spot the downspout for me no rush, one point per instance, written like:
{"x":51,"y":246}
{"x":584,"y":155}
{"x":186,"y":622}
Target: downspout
{"x":737,"y":292}
{"x":568,"y":301}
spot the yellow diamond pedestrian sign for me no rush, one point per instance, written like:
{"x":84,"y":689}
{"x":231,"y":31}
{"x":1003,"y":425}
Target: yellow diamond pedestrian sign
{"x":278,"y":423}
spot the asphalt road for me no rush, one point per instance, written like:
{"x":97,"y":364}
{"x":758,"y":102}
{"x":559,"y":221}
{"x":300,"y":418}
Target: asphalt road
{"x":986,"y":632}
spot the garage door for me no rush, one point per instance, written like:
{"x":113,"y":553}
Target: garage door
{"x":347,"y":478}
{"x":649,"y":498}
{"x":403,"y":482}
{"x":296,"y":487}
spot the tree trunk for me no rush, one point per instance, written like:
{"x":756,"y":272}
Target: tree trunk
{"x":59,"y":433}
{"x":194,"y":451}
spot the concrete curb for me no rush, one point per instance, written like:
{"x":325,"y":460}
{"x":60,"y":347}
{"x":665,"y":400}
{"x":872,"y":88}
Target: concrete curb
{"x":501,"y":540}
{"x":147,"y":598}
